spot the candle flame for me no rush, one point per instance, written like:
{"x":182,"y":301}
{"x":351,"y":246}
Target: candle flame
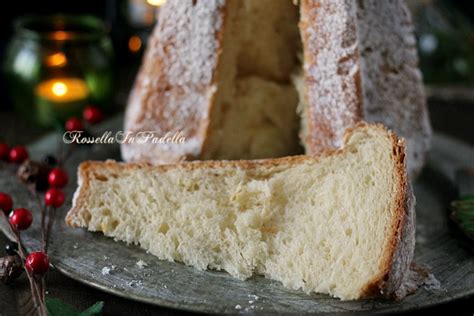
{"x":156,"y":3}
{"x":62,"y":90}
{"x":59,"y":88}
{"x":134,"y":44}
{"x":60,"y":35}
{"x":56,"y":60}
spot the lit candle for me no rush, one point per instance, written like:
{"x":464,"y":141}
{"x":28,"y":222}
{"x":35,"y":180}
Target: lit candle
{"x":63,"y":89}
{"x":56,"y":60}
{"x":60,"y":98}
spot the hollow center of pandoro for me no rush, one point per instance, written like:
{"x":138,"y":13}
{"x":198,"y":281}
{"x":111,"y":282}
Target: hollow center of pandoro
{"x":255,"y":110}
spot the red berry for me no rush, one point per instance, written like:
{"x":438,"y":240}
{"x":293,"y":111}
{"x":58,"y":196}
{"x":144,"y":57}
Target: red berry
{"x":4,"y":150}
{"x":57,"y":178}
{"x":54,"y":197}
{"x":6,"y":203}
{"x":21,"y":218}
{"x":37,"y":262}
{"x":18,"y":154}
{"x":73,"y":124}
{"x":92,"y":114}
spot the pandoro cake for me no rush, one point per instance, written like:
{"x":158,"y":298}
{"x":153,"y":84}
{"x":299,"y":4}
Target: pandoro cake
{"x":252,"y":79}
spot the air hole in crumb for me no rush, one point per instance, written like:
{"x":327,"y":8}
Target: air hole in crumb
{"x":87,"y":216}
{"x":348,"y":232}
{"x":101,"y":177}
{"x":114,"y":224}
{"x":163,"y":228}
{"x":194,"y":187}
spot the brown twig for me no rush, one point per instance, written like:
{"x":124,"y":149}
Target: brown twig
{"x":65,"y":154}
{"x":51,"y":216}
{"x":43,"y":288}
{"x":38,"y":298}
{"x":35,"y":289}
{"x":42,"y":209}
{"x":37,"y":282}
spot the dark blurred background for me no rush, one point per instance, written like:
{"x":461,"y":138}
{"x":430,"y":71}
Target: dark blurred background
{"x":128,"y":23}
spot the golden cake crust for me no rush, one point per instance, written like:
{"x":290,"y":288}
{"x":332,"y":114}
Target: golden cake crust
{"x":176,"y":82}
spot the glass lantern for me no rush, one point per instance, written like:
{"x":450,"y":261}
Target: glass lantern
{"x":56,"y":65}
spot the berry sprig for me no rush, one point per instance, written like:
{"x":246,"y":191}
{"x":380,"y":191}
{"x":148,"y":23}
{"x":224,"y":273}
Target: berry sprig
{"x":20,"y":219}
{"x":36,"y":263}
{"x":19,"y":154}
{"x":38,"y":176}
{"x":90,"y":116}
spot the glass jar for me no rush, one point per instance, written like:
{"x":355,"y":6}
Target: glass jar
{"x":56,"y":65}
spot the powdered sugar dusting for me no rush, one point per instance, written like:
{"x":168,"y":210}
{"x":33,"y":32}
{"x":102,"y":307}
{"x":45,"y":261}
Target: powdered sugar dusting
{"x":174,"y":87}
{"x":190,"y":28}
{"x":141,"y":264}
{"x":107,"y":270}
{"x":328,"y":31}
{"x":431,"y":283}
{"x":361,"y":63}
{"x":392,"y":84}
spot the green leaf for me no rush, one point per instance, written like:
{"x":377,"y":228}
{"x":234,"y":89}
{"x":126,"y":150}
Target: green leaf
{"x":56,"y":307}
{"x":463,"y":215}
{"x":95,"y":309}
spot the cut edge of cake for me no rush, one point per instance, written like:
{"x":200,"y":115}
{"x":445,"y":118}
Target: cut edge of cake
{"x":398,"y":254}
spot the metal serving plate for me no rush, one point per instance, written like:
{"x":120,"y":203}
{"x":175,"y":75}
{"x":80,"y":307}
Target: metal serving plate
{"x":112,"y":266}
